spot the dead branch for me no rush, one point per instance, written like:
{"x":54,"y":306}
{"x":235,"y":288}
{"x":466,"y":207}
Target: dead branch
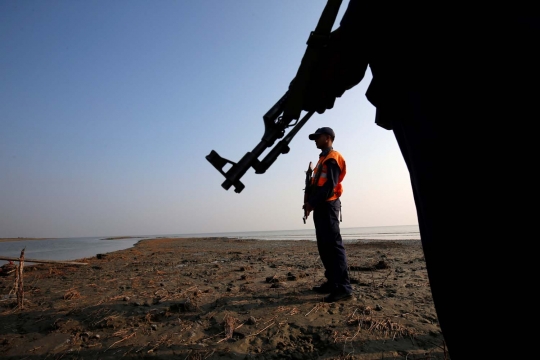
{"x":19,"y":289}
{"x":44,"y":261}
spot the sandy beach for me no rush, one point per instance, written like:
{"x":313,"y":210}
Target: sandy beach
{"x":214,"y":298}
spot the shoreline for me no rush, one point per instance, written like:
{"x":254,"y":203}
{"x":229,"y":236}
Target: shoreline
{"x":74,"y":258}
{"x":209,"y":298}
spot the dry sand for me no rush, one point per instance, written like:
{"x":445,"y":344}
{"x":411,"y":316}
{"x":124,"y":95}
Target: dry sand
{"x":213,"y":298}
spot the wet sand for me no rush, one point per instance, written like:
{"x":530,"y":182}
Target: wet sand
{"x":214,"y":298}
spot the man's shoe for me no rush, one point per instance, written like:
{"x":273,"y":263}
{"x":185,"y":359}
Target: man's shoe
{"x":325,"y":288}
{"x":337,"y":296}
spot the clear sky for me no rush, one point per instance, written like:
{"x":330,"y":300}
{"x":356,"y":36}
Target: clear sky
{"x":108,"y":109}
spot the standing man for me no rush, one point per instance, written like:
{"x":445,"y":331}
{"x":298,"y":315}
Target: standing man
{"x":324,"y":201}
{"x":461,"y":102}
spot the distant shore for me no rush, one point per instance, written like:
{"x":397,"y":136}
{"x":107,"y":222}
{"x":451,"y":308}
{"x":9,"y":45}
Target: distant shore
{"x":23,"y":239}
{"x":122,"y":237}
{"x":29,"y":238}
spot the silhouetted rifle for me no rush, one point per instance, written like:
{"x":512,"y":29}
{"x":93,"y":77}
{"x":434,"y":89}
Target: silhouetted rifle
{"x":285,"y":113}
{"x":309,"y":175}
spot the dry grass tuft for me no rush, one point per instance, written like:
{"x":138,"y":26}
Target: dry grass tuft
{"x":72,"y":294}
{"x":386,"y":327}
{"x":55,"y":272}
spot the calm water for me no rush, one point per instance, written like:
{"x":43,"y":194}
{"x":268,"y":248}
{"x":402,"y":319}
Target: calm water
{"x":406,"y":232}
{"x":63,"y":249}
{"x":78,"y":248}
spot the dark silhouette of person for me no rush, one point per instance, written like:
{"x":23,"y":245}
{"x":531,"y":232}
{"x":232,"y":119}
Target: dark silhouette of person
{"x":460,"y":91}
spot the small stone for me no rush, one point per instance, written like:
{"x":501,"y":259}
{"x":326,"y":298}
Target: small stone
{"x":382,"y":265}
{"x":154,"y":327}
{"x":291,"y":277}
{"x":126,"y":298}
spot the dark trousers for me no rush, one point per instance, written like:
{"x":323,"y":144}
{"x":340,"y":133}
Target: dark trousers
{"x":469,"y":149}
{"x":330,"y":244}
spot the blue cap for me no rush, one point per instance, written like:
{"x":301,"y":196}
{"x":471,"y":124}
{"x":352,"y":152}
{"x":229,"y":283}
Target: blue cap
{"x":323,"y":130}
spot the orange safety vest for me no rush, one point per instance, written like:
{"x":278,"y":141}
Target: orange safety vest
{"x":338,"y":189}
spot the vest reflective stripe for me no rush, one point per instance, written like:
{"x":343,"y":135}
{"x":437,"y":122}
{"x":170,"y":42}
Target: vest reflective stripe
{"x":338,"y":189}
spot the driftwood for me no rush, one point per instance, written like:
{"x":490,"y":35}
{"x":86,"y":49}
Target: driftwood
{"x":43,"y":261}
{"x":19,"y":281}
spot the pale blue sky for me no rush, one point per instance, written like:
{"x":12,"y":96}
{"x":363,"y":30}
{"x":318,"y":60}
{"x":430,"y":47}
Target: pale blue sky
{"x":108,"y":109}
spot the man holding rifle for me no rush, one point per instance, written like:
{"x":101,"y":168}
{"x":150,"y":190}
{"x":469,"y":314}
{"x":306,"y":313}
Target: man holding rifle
{"x":323,"y":198}
{"x":459,"y":90}
{"x":458,"y":87}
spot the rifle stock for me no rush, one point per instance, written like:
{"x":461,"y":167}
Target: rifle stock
{"x":285,"y":112}
{"x":309,"y":173}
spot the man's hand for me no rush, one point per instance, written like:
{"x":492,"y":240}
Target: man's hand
{"x":340,"y":67}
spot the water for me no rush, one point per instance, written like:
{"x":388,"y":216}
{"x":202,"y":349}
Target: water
{"x":78,"y":248}
{"x":405,"y":232}
{"x":63,"y":249}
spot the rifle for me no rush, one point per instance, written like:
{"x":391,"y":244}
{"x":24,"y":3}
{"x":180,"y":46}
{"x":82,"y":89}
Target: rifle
{"x":285,"y":113}
{"x":309,"y":174}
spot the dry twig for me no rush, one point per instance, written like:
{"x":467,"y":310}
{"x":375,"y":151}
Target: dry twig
{"x":162,"y":340}
{"x":314,"y":308}
{"x":262,"y":330}
{"x":386,"y":278}
{"x":122,"y":339}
